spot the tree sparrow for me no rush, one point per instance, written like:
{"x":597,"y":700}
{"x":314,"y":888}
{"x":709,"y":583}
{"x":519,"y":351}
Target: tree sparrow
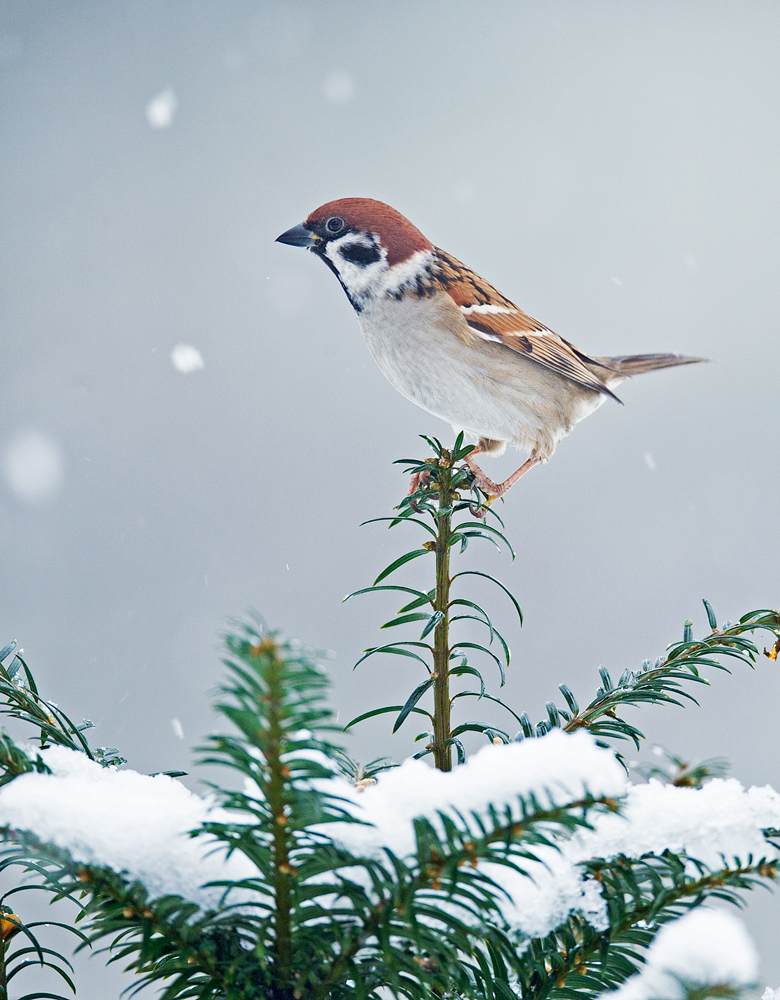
{"x":455,"y":345}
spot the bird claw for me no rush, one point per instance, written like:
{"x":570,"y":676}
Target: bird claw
{"x":480,"y":510}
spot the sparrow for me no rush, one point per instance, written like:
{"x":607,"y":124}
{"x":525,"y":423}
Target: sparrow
{"x":453,"y":344}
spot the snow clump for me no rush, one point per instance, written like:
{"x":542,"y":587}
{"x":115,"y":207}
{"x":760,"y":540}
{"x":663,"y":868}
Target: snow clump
{"x":705,"y":948}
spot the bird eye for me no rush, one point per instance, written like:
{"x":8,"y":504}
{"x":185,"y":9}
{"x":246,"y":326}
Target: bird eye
{"x":334,"y":225}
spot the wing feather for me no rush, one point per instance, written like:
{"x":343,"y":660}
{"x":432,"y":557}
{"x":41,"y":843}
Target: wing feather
{"x":493,"y":317}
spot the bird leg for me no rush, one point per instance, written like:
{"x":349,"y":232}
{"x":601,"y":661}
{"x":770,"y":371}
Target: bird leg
{"x":495,"y":490}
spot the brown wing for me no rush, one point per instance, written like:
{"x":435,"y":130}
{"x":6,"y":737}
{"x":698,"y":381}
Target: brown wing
{"x":493,"y":317}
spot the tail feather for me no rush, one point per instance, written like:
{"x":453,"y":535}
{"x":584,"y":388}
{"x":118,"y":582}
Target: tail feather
{"x":635,"y":364}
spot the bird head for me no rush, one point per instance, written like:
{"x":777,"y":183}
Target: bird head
{"x":372,"y":249}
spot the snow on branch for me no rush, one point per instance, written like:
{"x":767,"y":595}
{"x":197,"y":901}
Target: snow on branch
{"x":717,"y":825}
{"x":720,"y":825}
{"x":556,"y":770}
{"x":139,"y":825}
{"x":130,"y":822}
{"x":705,"y":948}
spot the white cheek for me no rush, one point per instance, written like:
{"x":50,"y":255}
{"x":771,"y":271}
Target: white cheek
{"x":376,"y":280}
{"x":361,"y":280}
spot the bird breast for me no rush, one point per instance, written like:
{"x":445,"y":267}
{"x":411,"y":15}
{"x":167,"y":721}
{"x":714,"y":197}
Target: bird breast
{"x":426,"y":351}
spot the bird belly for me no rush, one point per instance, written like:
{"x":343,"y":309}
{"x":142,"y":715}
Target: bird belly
{"x":484,"y":388}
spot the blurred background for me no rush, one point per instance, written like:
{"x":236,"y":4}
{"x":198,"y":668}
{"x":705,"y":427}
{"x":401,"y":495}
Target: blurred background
{"x":192,"y":425}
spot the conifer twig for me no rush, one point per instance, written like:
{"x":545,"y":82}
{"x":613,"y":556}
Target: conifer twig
{"x":438,"y":483}
{"x":442,"y":747}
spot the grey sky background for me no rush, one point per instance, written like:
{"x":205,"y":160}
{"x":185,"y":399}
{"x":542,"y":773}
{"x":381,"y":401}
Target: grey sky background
{"x":612,"y":167}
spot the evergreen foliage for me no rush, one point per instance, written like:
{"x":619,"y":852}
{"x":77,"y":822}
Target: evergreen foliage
{"x":318,"y":920}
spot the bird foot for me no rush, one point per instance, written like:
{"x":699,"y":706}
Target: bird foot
{"x":418,"y":479}
{"x":495,"y":490}
{"x":480,"y":510}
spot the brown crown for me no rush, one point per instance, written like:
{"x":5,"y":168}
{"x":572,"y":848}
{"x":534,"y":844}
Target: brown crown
{"x":396,"y":233}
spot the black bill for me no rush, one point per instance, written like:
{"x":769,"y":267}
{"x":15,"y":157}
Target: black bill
{"x":298,"y":236}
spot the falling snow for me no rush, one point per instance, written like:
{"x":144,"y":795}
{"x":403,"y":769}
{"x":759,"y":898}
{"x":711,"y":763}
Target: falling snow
{"x":186,"y":358}
{"x":34,"y":466}
{"x":338,"y":87}
{"x":161,"y":109}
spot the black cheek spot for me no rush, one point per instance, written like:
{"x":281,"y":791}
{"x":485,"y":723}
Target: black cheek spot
{"x":360,"y":254}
